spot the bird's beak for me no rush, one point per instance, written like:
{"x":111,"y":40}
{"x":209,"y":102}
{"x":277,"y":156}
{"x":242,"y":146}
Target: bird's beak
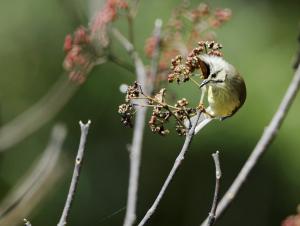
{"x":204,"y":82}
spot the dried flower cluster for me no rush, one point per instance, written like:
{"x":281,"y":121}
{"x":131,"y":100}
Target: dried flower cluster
{"x":87,"y":45}
{"x":187,"y":25}
{"x":182,"y":71}
{"x":162,"y":111}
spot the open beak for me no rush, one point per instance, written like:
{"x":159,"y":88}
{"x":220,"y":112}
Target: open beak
{"x":204,"y":82}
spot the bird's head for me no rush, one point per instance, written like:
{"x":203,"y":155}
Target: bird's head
{"x":216,"y":70}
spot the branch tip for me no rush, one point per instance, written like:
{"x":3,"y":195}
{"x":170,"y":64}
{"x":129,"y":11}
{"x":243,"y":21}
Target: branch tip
{"x":85,"y":124}
{"x":158,"y":22}
{"x":76,"y":173}
{"x":212,"y":213}
{"x":217,"y":164}
{"x":26,"y":222}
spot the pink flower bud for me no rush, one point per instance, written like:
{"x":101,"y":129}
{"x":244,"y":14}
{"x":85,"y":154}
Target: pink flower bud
{"x":68,"y":43}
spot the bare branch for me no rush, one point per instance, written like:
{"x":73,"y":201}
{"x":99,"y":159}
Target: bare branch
{"x":38,"y":114}
{"x":266,"y":139}
{"x":134,"y":5}
{"x":135,"y":151}
{"x":76,"y":173}
{"x":138,"y":63}
{"x":156,"y":52}
{"x":130,"y":27}
{"x":123,"y":41}
{"x":120,"y":62}
{"x":135,"y":161}
{"x":35,"y":183}
{"x":177,"y":163}
{"x":212,"y":213}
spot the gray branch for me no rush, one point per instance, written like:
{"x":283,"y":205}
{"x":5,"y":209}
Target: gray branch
{"x":177,"y":163}
{"x":212,"y":213}
{"x":264,"y":142}
{"x":156,"y":52}
{"x":135,"y":161}
{"x":76,"y":173}
{"x":136,"y":148}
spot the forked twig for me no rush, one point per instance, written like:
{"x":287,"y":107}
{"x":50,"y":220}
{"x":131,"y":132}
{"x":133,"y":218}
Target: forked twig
{"x":74,"y":182}
{"x":212,"y":213}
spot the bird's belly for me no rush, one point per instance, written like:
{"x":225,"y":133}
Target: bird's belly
{"x":221,"y":103}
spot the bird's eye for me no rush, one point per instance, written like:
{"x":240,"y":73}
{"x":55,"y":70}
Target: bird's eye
{"x":214,"y":75}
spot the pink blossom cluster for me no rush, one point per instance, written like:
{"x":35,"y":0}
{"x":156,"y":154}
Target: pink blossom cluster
{"x":108,"y":14}
{"x":200,"y":23}
{"x":78,"y":54}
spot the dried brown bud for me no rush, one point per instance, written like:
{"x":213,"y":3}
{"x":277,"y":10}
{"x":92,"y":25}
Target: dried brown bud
{"x":171,"y":77}
{"x":181,"y":131}
{"x":182,"y":103}
{"x":126,"y":111}
{"x":215,"y":53}
{"x":132,"y":92}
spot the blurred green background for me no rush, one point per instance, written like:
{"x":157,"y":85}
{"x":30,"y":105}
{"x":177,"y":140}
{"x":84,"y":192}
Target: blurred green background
{"x":260,"y":40}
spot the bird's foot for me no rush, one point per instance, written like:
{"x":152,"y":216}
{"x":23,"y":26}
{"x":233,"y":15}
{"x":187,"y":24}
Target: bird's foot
{"x":202,"y":109}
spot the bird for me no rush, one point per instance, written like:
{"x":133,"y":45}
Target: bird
{"x":225,"y":89}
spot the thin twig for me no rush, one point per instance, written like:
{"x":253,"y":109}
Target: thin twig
{"x":36,"y":183}
{"x":156,"y":51}
{"x":195,"y":82}
{"x":212,"y":213}
{"x":131,"y":13}
{"x":177,"y":163}
{"x":130,"y":27}
{"x":266,"y":139}
{"x":27,"y":222}
{"x":120,"y":62}
{"x":135,"y":151}
{"x":135,"y":161}
{"x":74,"y":182}
{"x":123,"y":41}
{"x":134,"y":5}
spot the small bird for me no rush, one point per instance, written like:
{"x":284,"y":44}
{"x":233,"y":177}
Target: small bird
{"x":225,"y":88}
